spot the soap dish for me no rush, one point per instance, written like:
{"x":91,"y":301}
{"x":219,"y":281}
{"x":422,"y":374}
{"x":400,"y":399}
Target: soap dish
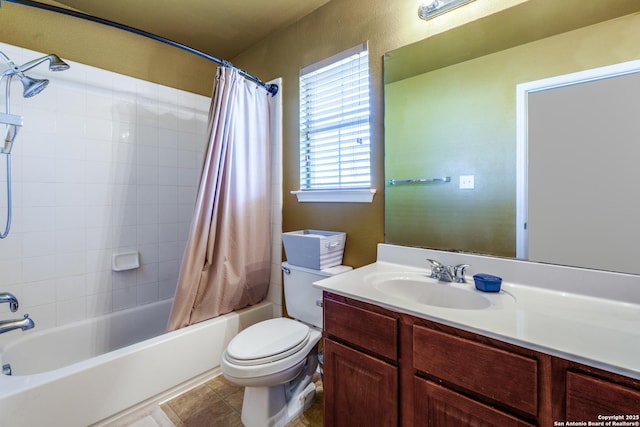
{"x":487,"y":282}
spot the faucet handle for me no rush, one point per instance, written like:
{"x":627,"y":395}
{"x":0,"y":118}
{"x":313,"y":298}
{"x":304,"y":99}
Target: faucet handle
{"x":458,"y":272}
{"x":11,"y":299}
{"x":435,"y":263}
{"x":436,"y":268}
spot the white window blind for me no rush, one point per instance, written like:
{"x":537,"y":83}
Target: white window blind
{"x":334,"y":122}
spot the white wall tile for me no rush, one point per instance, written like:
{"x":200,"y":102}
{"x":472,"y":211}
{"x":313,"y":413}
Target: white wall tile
{"x":70,"y":194}
{"x":124,"y":298}
{"x":72,"y":310}
{"x":40,"y":243}
{"x":147,"y":273}
{"x":69,"y":217}
{"x":68,"y":169}
{"x":99,"y":283}
{"x":99,"y":147}
{"x":69,"y":240}
{"x":38,"y":169}
{"x":99,"y":304}
{"x":104,"y":163}
{"x":38,"y":194}
{"x":11,"y":272}
{"x":11,"y":247}
{"x":38,"y":219}
{"x":70,"y":264}
{"x":147,"y":293}
{"x":148,"y":234}
{"x":37,"y":293}
{"x":167,"y":175}
{"x":70,"y":287}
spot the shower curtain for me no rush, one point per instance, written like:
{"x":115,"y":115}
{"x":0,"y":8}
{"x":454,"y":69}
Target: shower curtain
{"x":226,"y":264}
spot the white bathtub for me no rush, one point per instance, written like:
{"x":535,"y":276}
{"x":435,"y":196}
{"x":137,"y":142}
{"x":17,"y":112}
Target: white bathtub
{"x":79,"y":374}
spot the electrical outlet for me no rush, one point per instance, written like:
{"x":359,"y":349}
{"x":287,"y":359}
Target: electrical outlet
{"x":466,"y":182}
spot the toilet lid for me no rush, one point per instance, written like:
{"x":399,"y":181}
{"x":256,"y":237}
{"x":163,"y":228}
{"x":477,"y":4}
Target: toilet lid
{"x":268,"y":341}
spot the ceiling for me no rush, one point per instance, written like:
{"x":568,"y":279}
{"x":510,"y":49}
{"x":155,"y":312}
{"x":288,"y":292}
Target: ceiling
{"x":220,"y":28}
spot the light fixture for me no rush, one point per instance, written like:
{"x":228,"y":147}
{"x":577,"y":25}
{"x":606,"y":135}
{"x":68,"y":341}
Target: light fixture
{"x":428,"y":9}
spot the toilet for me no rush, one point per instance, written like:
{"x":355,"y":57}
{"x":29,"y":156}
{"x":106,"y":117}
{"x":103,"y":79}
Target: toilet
{"x":276,"y":359}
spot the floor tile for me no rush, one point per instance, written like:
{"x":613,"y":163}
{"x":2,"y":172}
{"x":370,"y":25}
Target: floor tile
{"x":219,"y":403}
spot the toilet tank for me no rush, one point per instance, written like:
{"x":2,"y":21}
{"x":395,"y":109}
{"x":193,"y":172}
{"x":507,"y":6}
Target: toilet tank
{"x":302,"y":299}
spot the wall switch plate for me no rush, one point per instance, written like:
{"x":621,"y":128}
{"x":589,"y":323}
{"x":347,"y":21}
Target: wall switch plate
{"x":466,"y":182}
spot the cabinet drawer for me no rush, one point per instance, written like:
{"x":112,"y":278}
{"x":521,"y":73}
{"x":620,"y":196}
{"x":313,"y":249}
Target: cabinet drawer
{"x":588,"y":397}
{"x":504,"y":377}
{"x":366,"y":329}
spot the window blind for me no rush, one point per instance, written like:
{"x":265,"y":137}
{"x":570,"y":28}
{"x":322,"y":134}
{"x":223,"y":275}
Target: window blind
{"x":334,"y":122}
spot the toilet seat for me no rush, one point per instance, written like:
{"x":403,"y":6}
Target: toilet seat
{"x":267,"y":342}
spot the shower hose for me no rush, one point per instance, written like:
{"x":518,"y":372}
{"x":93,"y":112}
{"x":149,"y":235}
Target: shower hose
{"x":8,"y":223}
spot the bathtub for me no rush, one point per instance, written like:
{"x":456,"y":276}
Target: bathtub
{"x":82,"y":373}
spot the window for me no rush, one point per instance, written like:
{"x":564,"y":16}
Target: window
{"x":334,"y":126}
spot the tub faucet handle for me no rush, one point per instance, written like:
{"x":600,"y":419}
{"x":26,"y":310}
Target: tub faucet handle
{"x":11,"y":299}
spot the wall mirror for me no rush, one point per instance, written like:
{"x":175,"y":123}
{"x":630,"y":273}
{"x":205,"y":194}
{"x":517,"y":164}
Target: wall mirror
{"x":451,"y":133}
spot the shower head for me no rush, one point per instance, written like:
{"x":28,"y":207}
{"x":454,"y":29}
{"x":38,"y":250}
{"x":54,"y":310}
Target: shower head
{"x":55,"y":63}
{"x":32,"y":86}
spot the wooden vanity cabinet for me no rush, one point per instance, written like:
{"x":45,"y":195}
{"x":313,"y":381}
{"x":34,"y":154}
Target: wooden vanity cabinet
{"x":383,"y":368}
{"x":360,"y":364}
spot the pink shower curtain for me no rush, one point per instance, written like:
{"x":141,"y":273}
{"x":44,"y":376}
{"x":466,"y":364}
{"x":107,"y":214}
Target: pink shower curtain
{"x":226,"y":264}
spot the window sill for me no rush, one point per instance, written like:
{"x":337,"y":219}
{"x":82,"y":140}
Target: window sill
{"x":340,"y":196}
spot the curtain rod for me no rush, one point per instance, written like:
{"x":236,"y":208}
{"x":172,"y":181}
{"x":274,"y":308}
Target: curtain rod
{"x":271,"y":88}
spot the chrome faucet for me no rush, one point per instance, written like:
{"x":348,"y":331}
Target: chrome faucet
{"x":9,"y":325}
{"x":447,"y":273}
{"x":11,"y":299}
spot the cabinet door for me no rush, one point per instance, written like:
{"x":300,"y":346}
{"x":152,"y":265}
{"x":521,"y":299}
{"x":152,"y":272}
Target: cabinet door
{"x":436,"y":406}
{"x":359,"y":390}
{"x":589,"y":397}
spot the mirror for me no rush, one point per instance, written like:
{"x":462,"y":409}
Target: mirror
{"x":577,"y":147}
{"x":450,"y":111}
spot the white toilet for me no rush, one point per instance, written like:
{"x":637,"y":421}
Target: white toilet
{"x":275,"y":359}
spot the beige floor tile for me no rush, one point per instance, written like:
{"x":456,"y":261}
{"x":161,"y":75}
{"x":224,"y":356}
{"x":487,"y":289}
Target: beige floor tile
{"x":219,"y":403}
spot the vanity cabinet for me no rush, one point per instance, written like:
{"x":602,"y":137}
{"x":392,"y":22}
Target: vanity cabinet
{"x":360,"y":365}
{"x":383,"y":368}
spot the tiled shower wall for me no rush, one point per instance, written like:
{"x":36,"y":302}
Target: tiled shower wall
{"x":104,"y":164}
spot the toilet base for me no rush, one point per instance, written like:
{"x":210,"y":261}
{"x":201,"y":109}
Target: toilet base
{"x":261,"y":403}
{"x":276,"y":406}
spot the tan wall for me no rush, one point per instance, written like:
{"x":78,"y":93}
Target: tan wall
{"x":339,"y":25}
{"x":105,"y":47}
{"x":336,"y":26}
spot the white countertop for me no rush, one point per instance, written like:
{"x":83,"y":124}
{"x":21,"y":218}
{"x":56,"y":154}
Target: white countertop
{"x":599,"y":332}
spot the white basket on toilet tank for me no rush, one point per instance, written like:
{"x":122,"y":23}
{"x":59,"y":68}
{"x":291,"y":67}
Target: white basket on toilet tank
{"x":314,"y":249}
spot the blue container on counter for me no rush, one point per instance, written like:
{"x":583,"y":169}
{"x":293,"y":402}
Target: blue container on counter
{"x":487,"y":282}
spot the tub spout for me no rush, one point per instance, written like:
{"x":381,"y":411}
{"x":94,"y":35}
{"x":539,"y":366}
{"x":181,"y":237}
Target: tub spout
{"x":9,"y":325}
{"x":11,"y":299}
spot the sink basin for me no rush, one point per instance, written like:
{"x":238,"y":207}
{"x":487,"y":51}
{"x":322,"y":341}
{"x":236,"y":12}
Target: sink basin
{"x":422,"y":289}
